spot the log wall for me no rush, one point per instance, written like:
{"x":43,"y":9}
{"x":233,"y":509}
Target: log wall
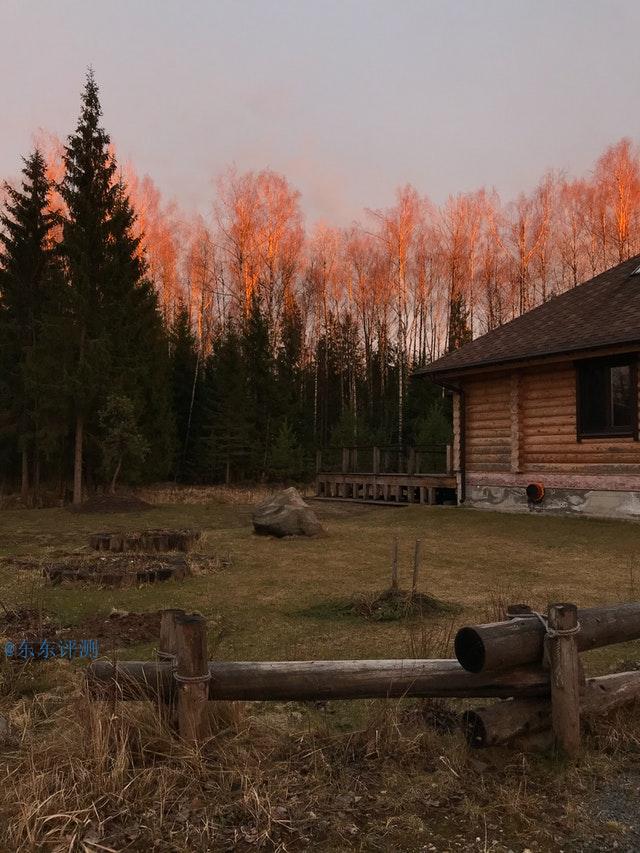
{"x":487,"y":418}
{"x":524,"y":421}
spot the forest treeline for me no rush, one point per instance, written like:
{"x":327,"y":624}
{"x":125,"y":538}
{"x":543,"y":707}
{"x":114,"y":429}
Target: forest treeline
{"x":138,"y":343}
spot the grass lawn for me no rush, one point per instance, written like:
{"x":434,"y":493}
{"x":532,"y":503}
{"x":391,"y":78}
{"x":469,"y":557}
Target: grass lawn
{"x":274,"y":599}
{"x":294,"y":776}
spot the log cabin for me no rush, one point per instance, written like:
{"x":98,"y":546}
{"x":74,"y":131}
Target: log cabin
{"x":546,"y":406}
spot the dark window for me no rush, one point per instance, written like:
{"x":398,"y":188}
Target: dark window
{"x":607,"y":397}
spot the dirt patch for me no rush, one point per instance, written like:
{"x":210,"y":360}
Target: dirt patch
{"x":118,"y":629}
{"x":110,"y":503}
{"x":27,"y":624}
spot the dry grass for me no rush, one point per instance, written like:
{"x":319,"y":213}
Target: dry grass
{"x":294,"y":776}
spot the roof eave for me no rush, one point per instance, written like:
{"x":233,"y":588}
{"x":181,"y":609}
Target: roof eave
{"x":526,"y":360}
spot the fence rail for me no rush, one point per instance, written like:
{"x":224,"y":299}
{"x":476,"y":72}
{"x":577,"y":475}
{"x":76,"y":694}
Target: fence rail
{"x":530,"y":658}
{"x":386,"y":459}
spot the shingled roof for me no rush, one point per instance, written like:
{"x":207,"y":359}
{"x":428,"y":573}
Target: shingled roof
{"x":603,"y":311}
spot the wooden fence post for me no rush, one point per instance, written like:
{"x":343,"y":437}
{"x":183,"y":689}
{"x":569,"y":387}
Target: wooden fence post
{"x":394,"y":564}
{"x":166,"y":653}
{"x":416,"y":567}
{"x":192,"y":675}
{"x":565,"y":676}
{"x":167,"y":646}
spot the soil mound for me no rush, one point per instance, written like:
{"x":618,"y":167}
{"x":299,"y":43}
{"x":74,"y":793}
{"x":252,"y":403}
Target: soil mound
{"x":111,"y":503}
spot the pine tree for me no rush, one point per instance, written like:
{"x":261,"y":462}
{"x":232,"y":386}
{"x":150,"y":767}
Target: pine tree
{"x":28,"y":291}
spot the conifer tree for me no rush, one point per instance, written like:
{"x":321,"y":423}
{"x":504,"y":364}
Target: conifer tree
{"x":186,"y":390}
{"x":226,"y":440}
{"x":118,"y":339}
{"x":89,"y":192}
{"x":260,"y":385}
{"x":28,"y":291}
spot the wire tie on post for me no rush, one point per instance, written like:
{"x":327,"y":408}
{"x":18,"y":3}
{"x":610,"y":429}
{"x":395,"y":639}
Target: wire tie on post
{"x":192,"y":679}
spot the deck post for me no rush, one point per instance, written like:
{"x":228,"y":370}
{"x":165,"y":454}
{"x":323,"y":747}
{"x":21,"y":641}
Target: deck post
{"x":449,"y":464}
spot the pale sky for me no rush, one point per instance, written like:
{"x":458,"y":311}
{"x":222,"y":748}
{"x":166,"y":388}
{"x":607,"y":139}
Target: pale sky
{"x":348,"y":98}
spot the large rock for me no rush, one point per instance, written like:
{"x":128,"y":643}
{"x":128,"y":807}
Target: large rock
{"x":285,"y":514}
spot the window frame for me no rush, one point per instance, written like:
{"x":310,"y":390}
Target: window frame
{"x":630,"y":360}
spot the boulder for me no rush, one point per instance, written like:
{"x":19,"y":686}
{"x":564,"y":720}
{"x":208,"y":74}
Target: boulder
{"x":285,"y":514}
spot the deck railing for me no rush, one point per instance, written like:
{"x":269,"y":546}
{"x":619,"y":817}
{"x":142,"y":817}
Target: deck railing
{"x":386,"y":459}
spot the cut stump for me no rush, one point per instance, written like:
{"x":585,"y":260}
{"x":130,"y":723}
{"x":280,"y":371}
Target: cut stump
{"x":158,"y":541}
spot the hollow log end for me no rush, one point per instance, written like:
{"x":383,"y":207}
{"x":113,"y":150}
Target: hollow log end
{"x":469,"y":649}
{"x":190,"y":618}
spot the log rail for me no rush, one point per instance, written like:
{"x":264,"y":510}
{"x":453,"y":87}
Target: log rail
{"x":530,"y":660}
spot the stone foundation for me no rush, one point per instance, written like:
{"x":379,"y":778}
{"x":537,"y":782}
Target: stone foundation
{"x":603,"y":503}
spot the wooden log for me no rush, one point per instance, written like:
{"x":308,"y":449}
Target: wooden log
{"x":502,"y":722}
{"x":519,"y":641}
{"x":192,"y":675}
{"x":565,"y":677}
{"x":322,"y":680}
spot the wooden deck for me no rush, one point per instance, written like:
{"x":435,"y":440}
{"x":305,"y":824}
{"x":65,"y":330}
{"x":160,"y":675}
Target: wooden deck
{"x":383,"y":488}
{"x":388,"y":475}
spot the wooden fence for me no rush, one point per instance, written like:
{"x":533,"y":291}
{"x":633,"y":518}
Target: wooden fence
{"x":386,"y":459}
{"x":530,"y":660}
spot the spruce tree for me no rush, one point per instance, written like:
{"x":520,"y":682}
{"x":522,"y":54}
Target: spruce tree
{"x":29,"y":286}
{"x":227,"y":436}
{"x":118,"y":339}
{"x":260,"y":385}
{"x":186,"y":391}
{"x":89,"y":192}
